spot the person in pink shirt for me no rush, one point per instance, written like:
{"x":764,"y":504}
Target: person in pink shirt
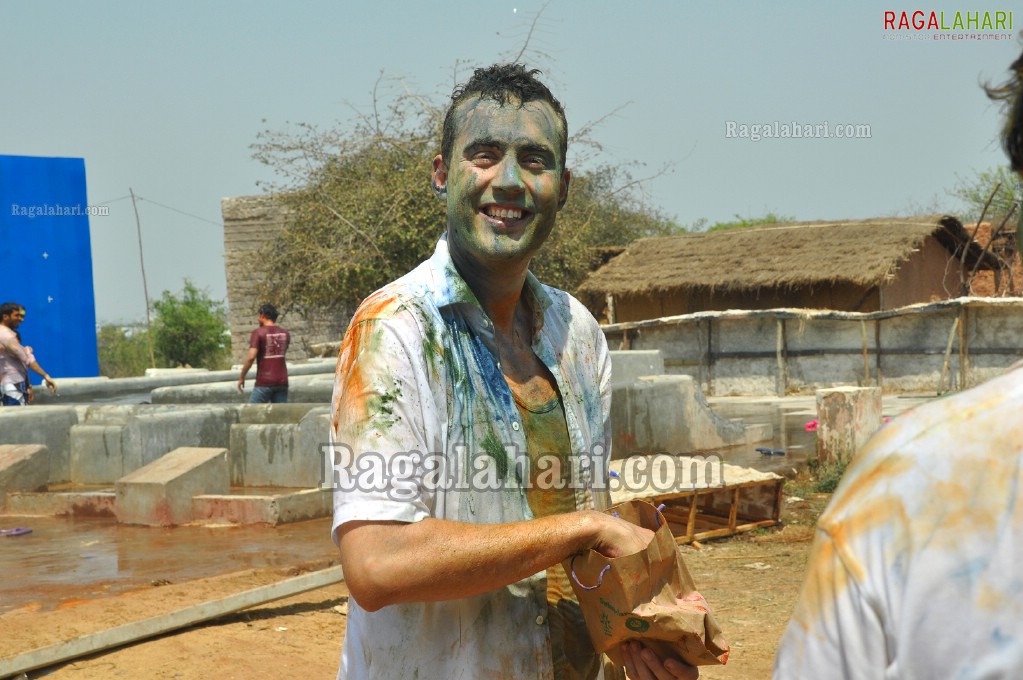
{"x":15,"y":359}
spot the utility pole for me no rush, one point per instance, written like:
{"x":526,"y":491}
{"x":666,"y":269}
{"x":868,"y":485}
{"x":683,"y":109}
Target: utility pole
{"x":145,"y":288}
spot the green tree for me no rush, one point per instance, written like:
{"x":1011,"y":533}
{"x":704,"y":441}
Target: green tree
{"x":190,"y":329}
{"x":123,"y":350}
{"x":360,"y":211}
{"x":993,"y":194}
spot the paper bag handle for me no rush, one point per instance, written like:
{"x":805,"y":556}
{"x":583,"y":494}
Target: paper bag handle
{"x":600,"y":577}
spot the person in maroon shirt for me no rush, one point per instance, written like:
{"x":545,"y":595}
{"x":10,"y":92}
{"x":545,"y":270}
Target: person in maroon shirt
{"x":267,"y":347}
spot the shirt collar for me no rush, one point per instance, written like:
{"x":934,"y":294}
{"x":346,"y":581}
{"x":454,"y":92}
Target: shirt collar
{"x":453,"y":289}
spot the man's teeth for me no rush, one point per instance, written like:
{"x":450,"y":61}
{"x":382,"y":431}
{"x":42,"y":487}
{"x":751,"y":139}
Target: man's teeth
{"x":505,"y":213}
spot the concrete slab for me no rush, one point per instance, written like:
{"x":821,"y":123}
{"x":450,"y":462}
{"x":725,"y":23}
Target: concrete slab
{"x":97,"y":454}
{"x":668,"y":414}
{"x":628,"y":366}
{"x":64,"y":503}
{"x":268,"y":455}
{"x":272,"y":509}
{"x":46,"y":425}
{"x":160,"y":493}
{"x":23,"y":467}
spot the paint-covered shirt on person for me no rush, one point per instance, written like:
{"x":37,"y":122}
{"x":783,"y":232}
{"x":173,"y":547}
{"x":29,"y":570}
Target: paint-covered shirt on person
{"x":424,"y":425}
{"x":915,"y":572}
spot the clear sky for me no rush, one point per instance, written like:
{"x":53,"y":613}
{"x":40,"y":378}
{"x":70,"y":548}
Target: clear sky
{"x":167,"y":97}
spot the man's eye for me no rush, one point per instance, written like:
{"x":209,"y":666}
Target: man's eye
{"x":535,"y":161}
{"x":484,"y":158}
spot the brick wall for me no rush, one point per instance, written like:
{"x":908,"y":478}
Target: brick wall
{"x":248,"y":222}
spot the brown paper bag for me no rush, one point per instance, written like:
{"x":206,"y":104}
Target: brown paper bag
{"x":648,"y":596}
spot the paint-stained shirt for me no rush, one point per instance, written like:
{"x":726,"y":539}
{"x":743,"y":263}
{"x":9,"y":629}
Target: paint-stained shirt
{"x":425,"y":425}
{"x":916,"y":569}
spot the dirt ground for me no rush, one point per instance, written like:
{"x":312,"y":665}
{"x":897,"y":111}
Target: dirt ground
{"x":751,"y":582}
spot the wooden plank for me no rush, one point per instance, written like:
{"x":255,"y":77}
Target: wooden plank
{"x":157,"y":625}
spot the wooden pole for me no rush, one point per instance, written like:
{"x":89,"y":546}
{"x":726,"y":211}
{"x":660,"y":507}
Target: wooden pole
{"x":145,"y":288}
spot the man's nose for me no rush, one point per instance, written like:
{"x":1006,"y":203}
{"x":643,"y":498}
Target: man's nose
{"x":509,"y":175}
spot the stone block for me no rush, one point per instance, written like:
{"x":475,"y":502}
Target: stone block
{"x":23,"y":467}
{"x":97,"y":454}
{"x":628,"y":366}
{"x":45,"y":425}
{"x":268,"y":455}
{"x":160,"y":493}
{"x":668,"y":414}
{"x":846,"y":418}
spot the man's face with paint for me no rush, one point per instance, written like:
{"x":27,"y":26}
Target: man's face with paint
{"x":506,"y":182}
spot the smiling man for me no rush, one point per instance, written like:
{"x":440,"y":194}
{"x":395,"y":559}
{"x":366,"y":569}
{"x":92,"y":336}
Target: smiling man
{"x":471,"y":425}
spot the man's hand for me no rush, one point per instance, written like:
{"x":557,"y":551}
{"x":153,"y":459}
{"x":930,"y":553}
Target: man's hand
{"x":241,"y":383}
{"x":50,"y":385}
{"x":642,"y":664}
{"x":618,"y":537}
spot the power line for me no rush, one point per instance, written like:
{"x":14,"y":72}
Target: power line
{"x":181,"y":212}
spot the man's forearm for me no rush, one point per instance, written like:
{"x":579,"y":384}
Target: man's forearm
{"x":39,"y":369}
{"x":431,"y":560}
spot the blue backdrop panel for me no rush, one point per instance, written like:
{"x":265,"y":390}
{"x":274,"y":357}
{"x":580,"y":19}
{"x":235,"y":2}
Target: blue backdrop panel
{"x":47,"y":261}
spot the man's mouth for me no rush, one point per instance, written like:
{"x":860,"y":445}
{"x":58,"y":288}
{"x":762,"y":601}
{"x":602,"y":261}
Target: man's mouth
{"x":505,"y":215}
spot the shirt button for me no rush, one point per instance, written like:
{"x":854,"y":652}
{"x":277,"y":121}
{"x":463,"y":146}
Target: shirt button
{"x":515,"y":426}
{"x":539,"y":620}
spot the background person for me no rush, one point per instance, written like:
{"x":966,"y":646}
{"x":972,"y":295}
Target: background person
{"x":267,"y":346}
{"x":470,"y":360}
{"x":15,"y":360}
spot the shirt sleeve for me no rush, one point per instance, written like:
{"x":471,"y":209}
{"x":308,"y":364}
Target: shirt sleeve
{"x":836,"y":631}
{"x":384,"y":424}
{"x":14,"y":347}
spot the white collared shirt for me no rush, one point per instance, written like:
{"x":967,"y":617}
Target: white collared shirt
{"x":418,"y":372}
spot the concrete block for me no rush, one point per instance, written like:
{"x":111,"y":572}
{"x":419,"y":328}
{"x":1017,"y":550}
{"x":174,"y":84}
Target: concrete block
{"x":97,"y":454}
{"x":45,"y":425}
{"x":628,"y":366}
{"x":312,"y":438}
{"x":846,"y":418}
{"x":269,"y":455}
{"x":272,"y":509}
{"x":23,"y":467}
{"x":73,"y":503}
{"x":668,"y":414}
{"x":160,"y":493}
{"x":149,"y":435}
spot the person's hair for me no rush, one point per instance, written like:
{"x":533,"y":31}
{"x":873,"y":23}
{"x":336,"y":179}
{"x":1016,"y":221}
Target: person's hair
{"x":502,"y":83}
{"x":269,"y":311}
{"x":1011,"y":94}
{"x":9,"y":308}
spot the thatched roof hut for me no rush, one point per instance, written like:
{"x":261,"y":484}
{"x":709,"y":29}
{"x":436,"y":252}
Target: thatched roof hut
{"x":849,"y":265}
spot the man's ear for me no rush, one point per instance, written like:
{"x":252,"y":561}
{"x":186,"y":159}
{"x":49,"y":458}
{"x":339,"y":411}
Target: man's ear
{"x":439,"y":176}
{"x":566,"y":179}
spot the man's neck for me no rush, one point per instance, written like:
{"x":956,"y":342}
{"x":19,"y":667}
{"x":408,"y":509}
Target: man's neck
{"x":499,"y":290}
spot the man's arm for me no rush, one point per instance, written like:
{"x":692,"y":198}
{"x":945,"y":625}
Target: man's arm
{"x":249,"y":358}
{"x":433,"y":559}
{"x":27,"y":359}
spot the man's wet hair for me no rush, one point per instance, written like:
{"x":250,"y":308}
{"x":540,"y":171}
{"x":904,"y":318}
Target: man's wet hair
{"x":269,"y":311}
{"x":1011,"y":94}
{"x":9,"y":308}
{"x":502,"y":83}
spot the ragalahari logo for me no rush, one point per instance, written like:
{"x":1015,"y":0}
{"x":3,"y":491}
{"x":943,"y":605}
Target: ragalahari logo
{"x":921,"y":20}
